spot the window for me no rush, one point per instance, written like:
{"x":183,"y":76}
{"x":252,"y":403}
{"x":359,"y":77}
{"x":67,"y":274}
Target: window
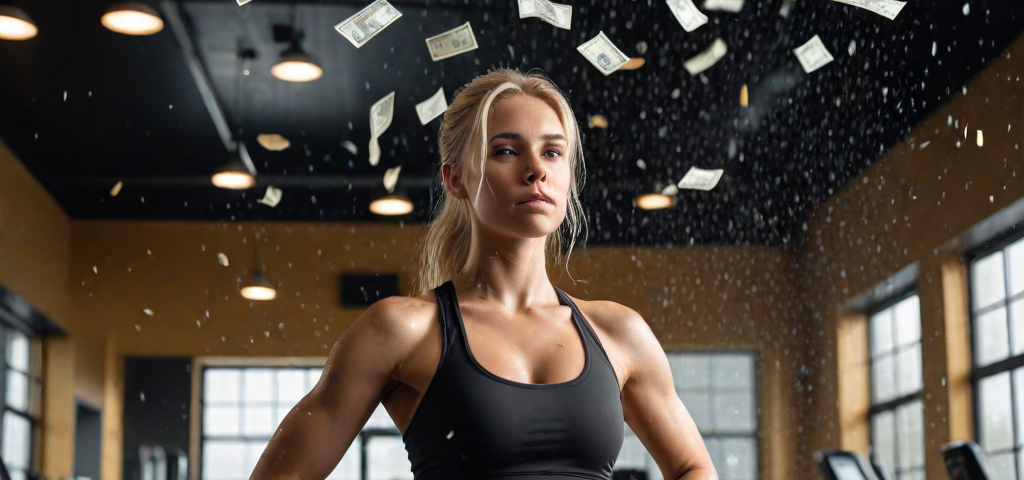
{"x":242,"y":407}
{"x":719,"y":391}
{"x":997,"y":327}
{"x":21,"y":388}
{"x":897,"y":414}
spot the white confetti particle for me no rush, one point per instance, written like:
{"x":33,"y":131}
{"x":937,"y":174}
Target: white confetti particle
{"x":147,"y":311}
{"x":967,"y":9}
{"x":223,"y":259}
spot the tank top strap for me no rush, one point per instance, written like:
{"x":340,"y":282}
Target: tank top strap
{"x":449,"y":325}
{"x":584,"y":326}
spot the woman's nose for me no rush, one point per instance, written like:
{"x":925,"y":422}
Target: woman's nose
{"x":534,"y":170}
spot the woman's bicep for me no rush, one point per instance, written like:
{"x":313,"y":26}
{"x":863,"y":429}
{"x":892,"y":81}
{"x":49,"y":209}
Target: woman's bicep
{"x":315,"y":434}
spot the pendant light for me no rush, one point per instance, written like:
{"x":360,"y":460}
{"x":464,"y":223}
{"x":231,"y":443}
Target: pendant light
{"x":391,"y":204}
{"x":294,"y":64}
{"x":237,"y":174}
{"x":15,"y":24}
{"x":132,"y":18}
{"x":233,"y":175}
{"x":258,"y":287}
{"x":658,"y":198}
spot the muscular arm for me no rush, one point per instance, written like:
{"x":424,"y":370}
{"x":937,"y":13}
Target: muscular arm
{"x":653,"y":409}
{"x":315,"y":434}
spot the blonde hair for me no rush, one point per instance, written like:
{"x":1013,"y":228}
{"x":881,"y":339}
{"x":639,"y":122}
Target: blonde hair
{"x":462,"y":138}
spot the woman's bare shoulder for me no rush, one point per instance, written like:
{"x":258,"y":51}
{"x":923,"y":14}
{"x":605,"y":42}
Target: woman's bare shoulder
{"x":616,"y":319}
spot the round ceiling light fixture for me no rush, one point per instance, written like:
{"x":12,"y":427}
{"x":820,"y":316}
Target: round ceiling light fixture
{"x":295,"y":65}
{"x":132,"y":18}
{"x":15,"y":24}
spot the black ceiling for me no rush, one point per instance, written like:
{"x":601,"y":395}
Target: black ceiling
{"x":133,"y":112}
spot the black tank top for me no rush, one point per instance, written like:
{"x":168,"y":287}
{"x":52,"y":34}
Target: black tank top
{"x":474,"y":425}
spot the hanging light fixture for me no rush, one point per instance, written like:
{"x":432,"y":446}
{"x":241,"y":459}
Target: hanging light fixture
{"x":237,"y":174}
{"x":391,"y":204}
{"x":15,"y":24}
{"x":259,"y":288}
{"x":132,"y":18}
{"x":295,"y":65}
{"x":657,"y":199}
{"x":233,"y":175}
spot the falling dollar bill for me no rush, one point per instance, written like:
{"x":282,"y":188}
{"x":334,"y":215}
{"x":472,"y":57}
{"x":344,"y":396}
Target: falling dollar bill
{"x":687,"y":14}
{"x":272,"y":197}
{"x":451,"y":43}
{"x":391,"y":178}
{"x":554,"y":13}
{"x":243,"y":2}
{"x":699,"y":179}
{"x":813,"y":54}
{"x":368,"y":22}
{"x":117,"y":189}
{"x":886,"y":8}
{"x":704,"y":60}
{"x":430,"y":108}
{"x":380,"y":119}
{"x":733,"y":6}
{"x":603,"y":54}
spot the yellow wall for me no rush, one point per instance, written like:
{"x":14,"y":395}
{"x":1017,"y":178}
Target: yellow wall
{"x":901,"y":210}
{"x":695,"y":298}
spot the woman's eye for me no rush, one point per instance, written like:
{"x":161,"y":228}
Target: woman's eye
{"x":553,"y":153}
{"x":504,"y":151}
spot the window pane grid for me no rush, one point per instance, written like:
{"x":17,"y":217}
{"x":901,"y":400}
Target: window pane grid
{"x":242,"y":406}
{"x":719,"y":390}
{"x":20,"y":405}
{"x":897,"y":416}
{"x":997,"y":327}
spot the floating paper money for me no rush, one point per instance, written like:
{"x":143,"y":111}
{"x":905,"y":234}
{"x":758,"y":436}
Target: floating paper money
{"x":633,"y":64}
{"x":812,"y":55}
{"x":117,"y":189}
{"x":787,"y":6}
{"x":602,"y":53}
{"x":707,"y":58}
{"x":733,"y":6}
{"x":391,"y":178}
{"x":272,"y":197}
{"x":380,"y":119}
{"x":223,"y":259}
{"x":350,"y":146}
{"x":597,"y":121}
{"x":272,"y":142}
{"x":243,"y":2}
{"x":430,"y":108}
{"x":453,"y":42}
{"x":363,"y":26}
{"x":698,"y":179}
{"x":744,"y":96}
{"x":554,"y":13}
{"x":886,"y":8}
{"x":687,"y":14}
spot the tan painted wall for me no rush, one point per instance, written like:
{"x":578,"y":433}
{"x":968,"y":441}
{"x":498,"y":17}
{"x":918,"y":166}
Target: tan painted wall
{"x":900,"y":211}
{"x":695,"y":298}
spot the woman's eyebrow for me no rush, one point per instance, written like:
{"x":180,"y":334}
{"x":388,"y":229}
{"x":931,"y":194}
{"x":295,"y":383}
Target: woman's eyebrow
{"x":516,"y":136}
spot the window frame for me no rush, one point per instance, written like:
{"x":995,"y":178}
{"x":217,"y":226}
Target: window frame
{"x":363,"y":438}
{"x":1009,"y":364}
{"x":892,"y":405}
{"x":34,"y":421}
{"x":755,"y":407}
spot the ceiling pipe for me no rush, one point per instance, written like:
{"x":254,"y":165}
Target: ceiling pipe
{"x":198,"y":74}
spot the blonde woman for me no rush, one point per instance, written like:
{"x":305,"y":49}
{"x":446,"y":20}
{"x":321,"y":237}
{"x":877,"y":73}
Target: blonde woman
{"x":489,"y":370}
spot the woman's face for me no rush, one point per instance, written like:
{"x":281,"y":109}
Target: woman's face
{"x":526,"y":154}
